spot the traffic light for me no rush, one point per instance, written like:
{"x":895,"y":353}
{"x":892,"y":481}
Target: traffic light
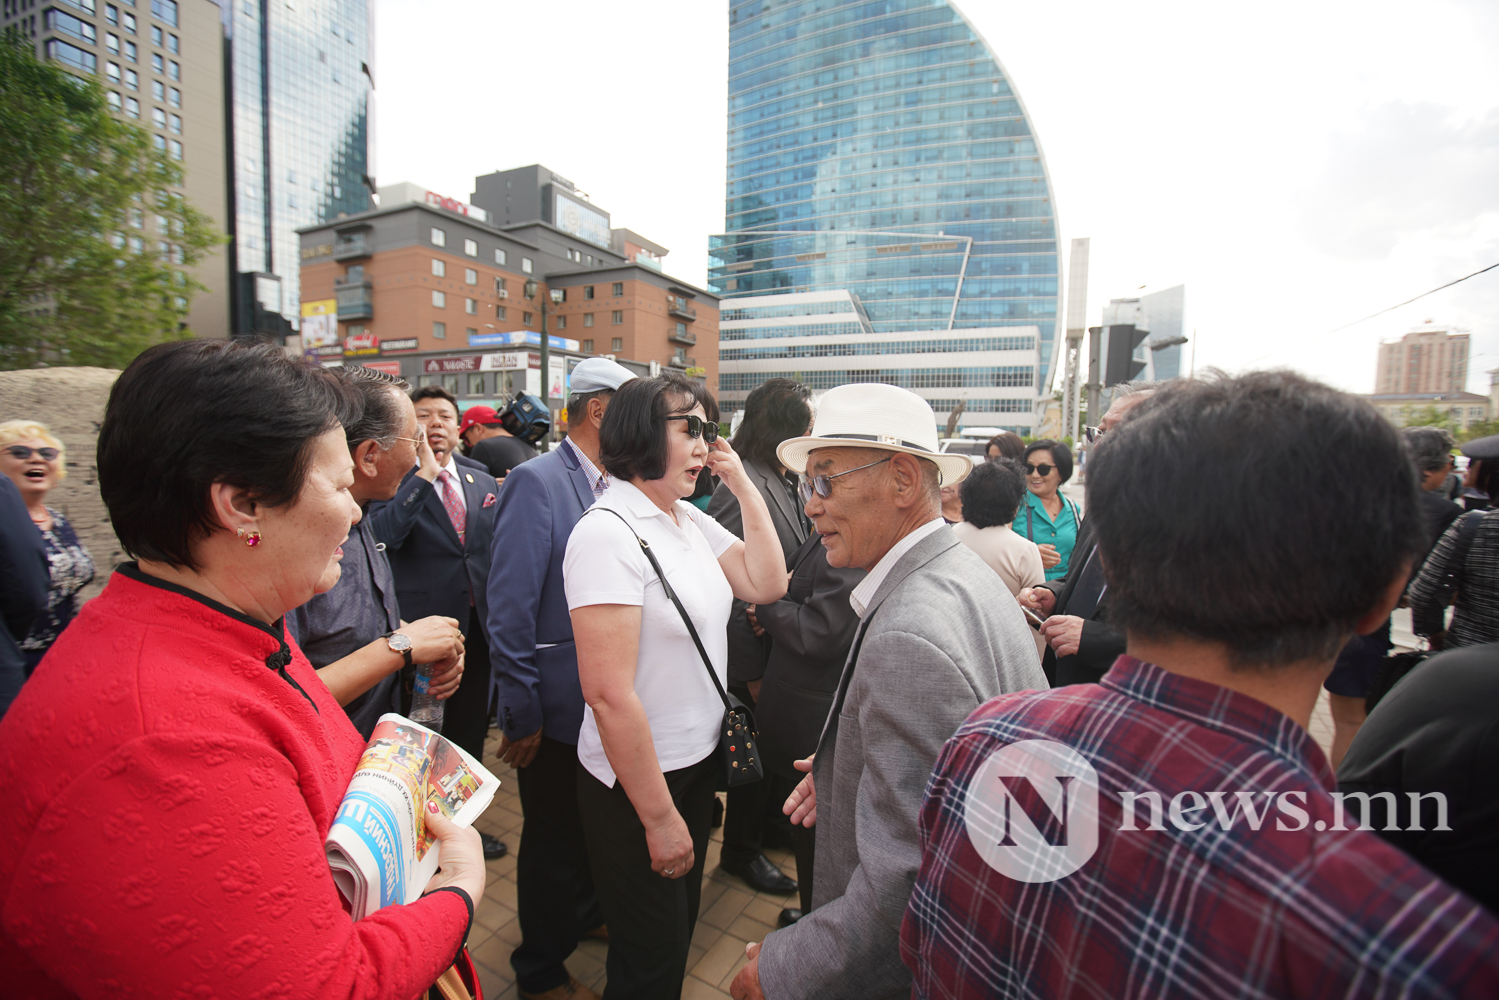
{"x":1119,"y":351}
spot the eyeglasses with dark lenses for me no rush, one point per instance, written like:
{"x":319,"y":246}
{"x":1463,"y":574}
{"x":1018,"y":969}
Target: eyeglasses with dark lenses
{"x":823,"y":485}
{"x":1042,"y":470}
{"x":1091,"y":434}
{"x":698,"y":427}
{"x":23,"y":453}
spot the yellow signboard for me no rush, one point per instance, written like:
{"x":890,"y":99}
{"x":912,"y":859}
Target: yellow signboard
{"x":322,"y":307}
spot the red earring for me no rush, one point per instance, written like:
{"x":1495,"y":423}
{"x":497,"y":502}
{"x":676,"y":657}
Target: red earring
{"x":252,"y":540}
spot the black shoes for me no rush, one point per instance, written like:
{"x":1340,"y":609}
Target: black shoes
{"x":762,"y":876}
{"x":493,"y":847}
{"x":788,"y":916}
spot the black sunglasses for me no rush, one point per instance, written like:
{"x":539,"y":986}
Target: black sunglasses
{"x":823,"y":485}
{"x":1040,"y":470}
{"x":698,"y":427}
{"x":23,"y":453}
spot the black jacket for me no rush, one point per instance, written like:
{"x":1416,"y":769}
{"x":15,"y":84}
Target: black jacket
{"x":1102,"y":643}
{"x":24,"y":579}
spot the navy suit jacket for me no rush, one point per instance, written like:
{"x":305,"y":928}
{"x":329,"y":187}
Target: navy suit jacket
{"x":539,"y":504}
{"x":435,"y":573}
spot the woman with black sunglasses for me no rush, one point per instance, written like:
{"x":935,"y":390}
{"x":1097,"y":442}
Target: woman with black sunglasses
{"x":33,"y":459}
{"x":1048,"y":518}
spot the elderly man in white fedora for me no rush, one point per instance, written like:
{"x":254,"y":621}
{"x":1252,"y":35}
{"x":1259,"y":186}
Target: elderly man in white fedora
{"x":939,"y":635}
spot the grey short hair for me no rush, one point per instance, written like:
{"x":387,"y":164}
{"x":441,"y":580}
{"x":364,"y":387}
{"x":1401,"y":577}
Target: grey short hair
{"x":1430,"y":448}
{"x":380,"y":419}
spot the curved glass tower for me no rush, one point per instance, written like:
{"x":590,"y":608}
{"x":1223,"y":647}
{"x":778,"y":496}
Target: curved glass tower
{"x":877,"y":146}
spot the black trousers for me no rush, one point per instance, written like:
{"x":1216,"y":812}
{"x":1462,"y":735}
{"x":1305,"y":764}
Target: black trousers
{"x":803,"y":841}
{"x":554,"y":888}
{"x":650,"y":917}
{"x":465,"y":718}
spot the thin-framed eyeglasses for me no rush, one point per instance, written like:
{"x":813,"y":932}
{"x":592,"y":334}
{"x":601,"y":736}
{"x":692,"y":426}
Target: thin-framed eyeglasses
{"x":1091,"y":434}
{"x":22,"y":452}
{"x":823,"y":485}
{"x":698,"y":427}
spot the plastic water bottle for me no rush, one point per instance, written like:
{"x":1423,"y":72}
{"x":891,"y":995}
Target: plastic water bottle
{"x":425,"y":708}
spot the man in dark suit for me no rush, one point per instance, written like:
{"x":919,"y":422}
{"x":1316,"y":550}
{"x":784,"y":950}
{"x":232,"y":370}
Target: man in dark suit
{"x":23,"y":587}
{"x":811,"y":630}
{"x":437,"y":533}
{"x":536,"y":676}
{"x":1082,"y":645}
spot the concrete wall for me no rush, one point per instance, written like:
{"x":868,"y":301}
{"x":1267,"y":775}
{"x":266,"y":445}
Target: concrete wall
{"x":70,"y":402}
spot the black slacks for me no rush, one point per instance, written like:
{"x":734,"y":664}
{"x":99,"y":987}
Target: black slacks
{"x":650,"y":917}
{"x":554,"y":888}
{"x":803,"y":841}
{"x":465,"y":717}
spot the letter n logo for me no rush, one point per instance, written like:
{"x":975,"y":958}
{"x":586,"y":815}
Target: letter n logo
{"x":1032,"y":811}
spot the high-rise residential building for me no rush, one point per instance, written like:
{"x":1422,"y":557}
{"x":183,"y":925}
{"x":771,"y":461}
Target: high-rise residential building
{"x":1428,"y":359}
{"x":881,"y":150}
{"x":161,"y":64}
{"x":299,"y":93}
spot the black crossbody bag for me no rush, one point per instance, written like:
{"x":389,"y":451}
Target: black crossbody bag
{"x":739,"y":761}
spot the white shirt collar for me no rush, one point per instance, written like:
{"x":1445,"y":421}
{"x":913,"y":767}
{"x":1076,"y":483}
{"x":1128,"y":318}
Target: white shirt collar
{"x":870,"y":585}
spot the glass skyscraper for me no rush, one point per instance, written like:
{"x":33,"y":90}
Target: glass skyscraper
{"x":300,"y":96}
{"x":879,"y":148}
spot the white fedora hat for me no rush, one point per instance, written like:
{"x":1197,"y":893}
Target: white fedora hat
{"x":875,"y":415}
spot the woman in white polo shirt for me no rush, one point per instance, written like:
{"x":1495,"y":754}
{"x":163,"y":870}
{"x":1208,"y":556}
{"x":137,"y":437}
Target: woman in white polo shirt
{"x":651,"y":721}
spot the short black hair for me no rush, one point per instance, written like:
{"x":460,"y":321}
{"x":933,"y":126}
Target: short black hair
{"x":992,"y":493}
{"x":378,"y":419}
{"x":1255,"y":567}
{"x":774,"y":411}
{"x":1061,"y":455}
{"x":632,"y":438}
{"x":1010,"y":444}
{"x":188,"y":414}
{"x":437,"y":392}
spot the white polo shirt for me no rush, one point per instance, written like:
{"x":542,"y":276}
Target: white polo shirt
{"x":604,"y":565}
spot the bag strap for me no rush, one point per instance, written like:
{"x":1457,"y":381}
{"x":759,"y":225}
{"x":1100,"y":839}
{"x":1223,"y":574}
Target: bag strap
{"x":1030,"y":532}
{"x":686,"y":618}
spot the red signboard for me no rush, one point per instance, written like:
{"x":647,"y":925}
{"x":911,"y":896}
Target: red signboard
{"x":388,"y":367}
{"x":364,"y":343}
{"x":465,"y":363}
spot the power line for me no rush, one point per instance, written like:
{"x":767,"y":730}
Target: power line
{"x":1409,"y":301}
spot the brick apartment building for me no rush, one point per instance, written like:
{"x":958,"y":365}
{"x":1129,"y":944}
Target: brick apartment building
{"x":436,"y":290}
{"x":1426,"y":360}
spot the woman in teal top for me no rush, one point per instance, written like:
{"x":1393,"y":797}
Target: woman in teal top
{"x":1048,"y":518}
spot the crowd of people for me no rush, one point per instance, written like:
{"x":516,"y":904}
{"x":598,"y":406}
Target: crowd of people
{"x":1019,"y":745}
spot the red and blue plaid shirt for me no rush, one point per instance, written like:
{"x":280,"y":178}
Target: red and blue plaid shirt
{"x":1277,"y":912}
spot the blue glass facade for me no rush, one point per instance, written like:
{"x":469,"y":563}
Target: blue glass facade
{"x":877,"y":146}
{"x":300,"y":97}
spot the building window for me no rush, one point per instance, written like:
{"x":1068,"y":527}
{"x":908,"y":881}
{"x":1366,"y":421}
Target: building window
{"x":137,"y":218}
{"x":174,"y":97}
{"x":131,"y":80}
{"x":112,"y":71}
{"x":471,"y":247}
{"x":158,"y":90}
{"x":587,"y":347}
{"x":499,"y":287}
{"x":165,"y":10}
{"x":158,"y":118}
{"x":617,"y":344}
{"x":499,"y":312}
{"x":450,"y":383}
{"x":500,"y":256}
{"x":155,"y":35}
{"x":525,"y":318}
{"x":174,"y":122}
{"x":588,"y":291}
{"x":111,"y":13}
{"x":113,"y":99}
{"x":475,"y":379}
{"x":562,"y":322}
{"x":527,"y":265}
{"x":588,"y":319}
{"x":130,"y":23}
{"x":439,"y":238}
{"x":172,"y":44}
{"x":133,"y":109}
{"x":440,"y":331}
{"x":619,"y":288}
{"x":617,"y":317}
{"x":157,"y":64}
{"x":470,"y":276}
{"x":471,"y":306}
{"x":439,"y":268}
{"x":681,"y":329}
{"x":439,"y":300}
{"x":174,"y":71}
{"x":112,"y":43}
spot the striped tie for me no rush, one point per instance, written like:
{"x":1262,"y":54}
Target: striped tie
{"x":452,"y":504}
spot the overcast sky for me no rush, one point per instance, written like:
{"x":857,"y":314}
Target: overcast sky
{"x":1298,"y":165}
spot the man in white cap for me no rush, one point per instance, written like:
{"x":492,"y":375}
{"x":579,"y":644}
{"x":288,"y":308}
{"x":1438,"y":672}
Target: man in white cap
{"x":939,"y":635}
{"x":536,"y":673}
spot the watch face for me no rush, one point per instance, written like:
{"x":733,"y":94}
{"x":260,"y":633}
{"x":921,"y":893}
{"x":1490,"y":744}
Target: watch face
{"x":400,"y":643}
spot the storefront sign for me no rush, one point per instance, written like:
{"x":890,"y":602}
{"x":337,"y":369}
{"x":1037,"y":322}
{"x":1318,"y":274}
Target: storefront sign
{"x":504,"y":362}
{"x":520,"y":337}
{"x":388,"y":367}
{"x":394,"y":346}
{"x":361,"y":345}
{"x":466,"y":363}
{"x":326,"y":351}
{"x":319,"y":326}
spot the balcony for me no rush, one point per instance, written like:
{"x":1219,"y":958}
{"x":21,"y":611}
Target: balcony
{"x":682,"y":361}
{"x":679,"y":308}
{"x":351,"y":247}
{"x":355,"y":300}
{"x":682,"y":337}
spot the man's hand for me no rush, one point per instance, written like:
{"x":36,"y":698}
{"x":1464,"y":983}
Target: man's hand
{"x":801,"y":804}
{"x":427,"y":466}
{"x":1039,"y":599}
{"x":446,"y":676}
{"x":1064,"y":633}
{"x":1049,"y":556}
{"x":746,"y":985}
{"x":755,"y":626}
{"x":434,"y":639}
{"x":521,"y":752}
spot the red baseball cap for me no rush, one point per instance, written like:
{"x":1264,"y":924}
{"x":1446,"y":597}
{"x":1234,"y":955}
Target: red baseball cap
{"x":478,"y":415}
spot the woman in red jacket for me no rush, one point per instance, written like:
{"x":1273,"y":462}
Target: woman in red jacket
{"x":172,"y":768}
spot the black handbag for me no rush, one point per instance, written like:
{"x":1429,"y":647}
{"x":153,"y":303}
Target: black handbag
{"x":739,"y":760}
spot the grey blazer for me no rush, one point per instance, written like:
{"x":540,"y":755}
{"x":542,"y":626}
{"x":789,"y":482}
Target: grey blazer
{"x":941,"y":637}
{"x":747,"y":651}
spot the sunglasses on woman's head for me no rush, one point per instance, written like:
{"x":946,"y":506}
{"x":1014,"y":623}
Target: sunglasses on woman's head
{"x":1040,"y":470}
{"x":23,"y":453}
{"x":698,"y":427}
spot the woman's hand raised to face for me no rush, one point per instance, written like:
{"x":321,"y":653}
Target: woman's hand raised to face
{"x":725,"y":464}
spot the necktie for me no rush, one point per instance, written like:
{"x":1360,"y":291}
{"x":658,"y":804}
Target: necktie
{"x":451,"y":503}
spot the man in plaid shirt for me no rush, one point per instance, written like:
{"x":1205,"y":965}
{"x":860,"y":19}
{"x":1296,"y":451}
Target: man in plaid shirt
{"x":1173,"y":831}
